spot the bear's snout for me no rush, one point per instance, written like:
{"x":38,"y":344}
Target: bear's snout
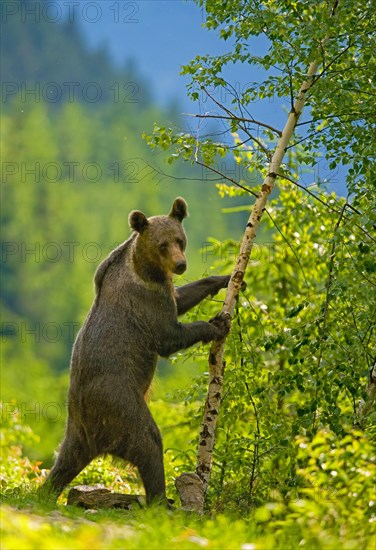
{"x":180,"y":267}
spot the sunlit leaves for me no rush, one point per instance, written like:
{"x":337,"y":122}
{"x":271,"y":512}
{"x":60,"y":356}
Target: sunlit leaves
{"x":341,"y":119}
{"x":185,"y":146}
{"x":300,"y":350}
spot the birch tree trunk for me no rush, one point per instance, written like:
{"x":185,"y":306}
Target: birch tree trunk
{"x":216,"y":360}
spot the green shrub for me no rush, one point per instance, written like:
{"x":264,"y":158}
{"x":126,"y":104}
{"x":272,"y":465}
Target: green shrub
{"x":17,"y":472}
{"x":336,"y":500}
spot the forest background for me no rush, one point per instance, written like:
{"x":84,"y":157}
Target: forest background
{"x":73,"y":169}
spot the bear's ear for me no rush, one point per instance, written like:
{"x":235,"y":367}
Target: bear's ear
{"x":138,"y":221}
{"x":179,"y":209}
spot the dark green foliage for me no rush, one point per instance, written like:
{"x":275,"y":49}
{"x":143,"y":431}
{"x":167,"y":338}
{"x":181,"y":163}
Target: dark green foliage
{"x":51,"y":57}
{"x":299,"y":353}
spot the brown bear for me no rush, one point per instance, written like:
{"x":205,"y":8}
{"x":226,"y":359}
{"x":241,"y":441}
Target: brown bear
{"x":134,"y":318}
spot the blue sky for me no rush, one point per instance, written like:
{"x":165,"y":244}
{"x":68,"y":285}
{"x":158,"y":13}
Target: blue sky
{"x":159,"y":36}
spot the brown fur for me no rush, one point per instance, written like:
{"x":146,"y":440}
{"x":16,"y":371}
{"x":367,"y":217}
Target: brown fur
{"x":132,"y":321}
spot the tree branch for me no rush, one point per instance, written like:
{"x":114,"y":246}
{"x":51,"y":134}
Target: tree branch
{"x":226,"y":177}
{"x":236,"y":118}
{"x":328,"y":286}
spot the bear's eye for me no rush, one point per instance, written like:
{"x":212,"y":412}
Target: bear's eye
{"x":163,"y":247}
{"x":180,"y":243}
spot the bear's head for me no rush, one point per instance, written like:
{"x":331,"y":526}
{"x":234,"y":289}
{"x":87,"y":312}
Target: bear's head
{"x":159,"y":250}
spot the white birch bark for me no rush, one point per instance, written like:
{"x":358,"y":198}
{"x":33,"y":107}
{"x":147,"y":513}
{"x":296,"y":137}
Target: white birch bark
{"x":216,"y":359}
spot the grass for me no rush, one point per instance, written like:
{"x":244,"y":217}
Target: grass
{"x":33,"y":526}
{"x":334,"y":508}
{"x":28,"y":525}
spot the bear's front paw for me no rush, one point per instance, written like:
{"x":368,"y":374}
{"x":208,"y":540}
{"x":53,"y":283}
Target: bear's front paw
{"x":224,"y":281}
{"x":221,"y":323}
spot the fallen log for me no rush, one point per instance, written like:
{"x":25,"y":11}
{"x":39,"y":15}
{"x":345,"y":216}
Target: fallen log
{"x":97,"y":496}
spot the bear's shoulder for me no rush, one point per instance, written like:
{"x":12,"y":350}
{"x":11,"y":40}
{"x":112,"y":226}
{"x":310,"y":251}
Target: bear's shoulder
{"x":116,"y":257}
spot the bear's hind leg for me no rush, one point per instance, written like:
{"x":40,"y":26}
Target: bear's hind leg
{"x":144,"y":449}
{"x":150,"y":465}
{"x":72,"y":458}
